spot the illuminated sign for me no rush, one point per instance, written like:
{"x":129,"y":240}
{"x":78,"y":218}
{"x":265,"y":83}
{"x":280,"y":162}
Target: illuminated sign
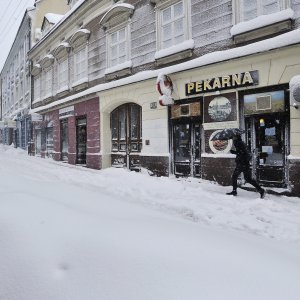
{"x":220,"y":83}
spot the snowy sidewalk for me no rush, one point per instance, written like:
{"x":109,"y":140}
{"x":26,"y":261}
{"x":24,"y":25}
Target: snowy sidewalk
{"x":69,"y":232}
{"x":276,"y":217}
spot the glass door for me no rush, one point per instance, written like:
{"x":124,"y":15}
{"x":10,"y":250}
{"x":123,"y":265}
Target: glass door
{"x":187,"y":149}
{"x":266,"y":136}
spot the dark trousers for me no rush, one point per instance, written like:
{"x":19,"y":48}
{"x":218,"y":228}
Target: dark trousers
{"x":245,"y":169}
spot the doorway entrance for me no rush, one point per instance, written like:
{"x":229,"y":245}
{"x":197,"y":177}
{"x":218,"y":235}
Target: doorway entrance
{"x":64,"y":139}
{"x":187,"y":148}
{"x":126,"y":136}
{"x":266,"y":137}
{"x":81,"y":141}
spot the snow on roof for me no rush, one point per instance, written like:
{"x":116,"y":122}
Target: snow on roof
{"x":53,"y":18}
{"x":283,"y":40}
{"x":262,"y":21}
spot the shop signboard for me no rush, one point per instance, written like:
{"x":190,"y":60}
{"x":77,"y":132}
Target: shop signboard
{"x":66,"y":112}
{"x":233,"y":81}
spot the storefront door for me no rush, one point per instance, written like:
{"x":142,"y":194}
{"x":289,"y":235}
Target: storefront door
{"x":81,"y":141}
{"x":187,"y":149}
{"x":266,"y":136}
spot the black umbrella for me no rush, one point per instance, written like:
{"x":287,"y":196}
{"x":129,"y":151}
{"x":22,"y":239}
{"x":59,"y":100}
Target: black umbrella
{"x":227,"y":134}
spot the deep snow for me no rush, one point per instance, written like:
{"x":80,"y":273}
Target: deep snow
{"x":69,"y":232}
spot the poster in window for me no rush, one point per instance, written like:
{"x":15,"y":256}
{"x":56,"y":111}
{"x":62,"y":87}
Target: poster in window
{"x":220,"y":108}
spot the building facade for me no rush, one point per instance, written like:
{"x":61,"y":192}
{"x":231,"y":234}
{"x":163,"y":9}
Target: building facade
{"x":101,"y":74}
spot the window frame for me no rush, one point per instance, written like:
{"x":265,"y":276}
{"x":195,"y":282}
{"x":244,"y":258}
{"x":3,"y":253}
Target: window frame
{"x":83,"y":74}
{"x":47,"y":88}
{"x":238,"y":14}
{"x":37,"y":88}
{"x":160,"y":7}
{"x":110,"y":32}
{"x":62,"y":74}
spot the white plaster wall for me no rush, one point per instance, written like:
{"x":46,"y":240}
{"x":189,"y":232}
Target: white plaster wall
{"x":154,"y":121}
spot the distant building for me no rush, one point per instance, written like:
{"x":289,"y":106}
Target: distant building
{"x":15,"y":124}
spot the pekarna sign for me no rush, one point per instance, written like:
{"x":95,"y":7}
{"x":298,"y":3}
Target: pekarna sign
{"x":221,"y":83}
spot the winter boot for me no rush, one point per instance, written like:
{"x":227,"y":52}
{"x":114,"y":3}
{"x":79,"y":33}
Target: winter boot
{"x":262,"y":193}
{"x":233,"y":193}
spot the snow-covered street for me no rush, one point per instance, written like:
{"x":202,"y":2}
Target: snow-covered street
{"x":69,"y":232}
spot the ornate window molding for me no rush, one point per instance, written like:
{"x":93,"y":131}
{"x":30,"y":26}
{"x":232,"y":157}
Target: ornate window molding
{"x":119,"y":13}
{"x":36,"y":69}
{"x":47,"y":61}
{"x":80,"y":37}
{"x":62,"y":50}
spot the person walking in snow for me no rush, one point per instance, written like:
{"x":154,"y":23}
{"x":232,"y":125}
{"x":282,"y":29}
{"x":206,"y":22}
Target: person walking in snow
{"x":242,"y":161}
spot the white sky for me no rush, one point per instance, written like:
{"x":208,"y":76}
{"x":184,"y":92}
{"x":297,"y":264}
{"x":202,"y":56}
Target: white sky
{"x":69,"y":232}
{"x":11,"y":14}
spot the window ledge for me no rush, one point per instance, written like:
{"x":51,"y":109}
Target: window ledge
{"x":35,"y":101}
{"x":80,"y":84}
{"x":264,"y":32}
{"x":62,"y":91}
{"x":47,"y":99}
{"x":118,"y":71}
{"x":178,"y":52}
{"x":262,"y":26}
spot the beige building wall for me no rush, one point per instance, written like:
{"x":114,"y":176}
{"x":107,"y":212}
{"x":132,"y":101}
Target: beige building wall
{"x":154,"y":121}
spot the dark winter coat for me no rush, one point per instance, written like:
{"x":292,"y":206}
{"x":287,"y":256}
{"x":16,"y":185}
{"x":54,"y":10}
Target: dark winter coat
{"x":243,"y":156}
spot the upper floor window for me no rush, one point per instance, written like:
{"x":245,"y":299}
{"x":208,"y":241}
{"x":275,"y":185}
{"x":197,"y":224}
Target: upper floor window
{"x":79,"y":43}
{"x":251,"y":18}
{"x":173,"y":31}
{"x":80,"y":64}
{"x":118,"y":47}
{"x":47,"y":83}
{"x":172,"y":25}
{"x":63,"y":74}
{"x":253,"y":9}
{"x":247,"y":10}
{"x":116,"y":23}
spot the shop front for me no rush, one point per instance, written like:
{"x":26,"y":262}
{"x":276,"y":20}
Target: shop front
{"x":71,"y":134}
{"x":251,"y":93}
